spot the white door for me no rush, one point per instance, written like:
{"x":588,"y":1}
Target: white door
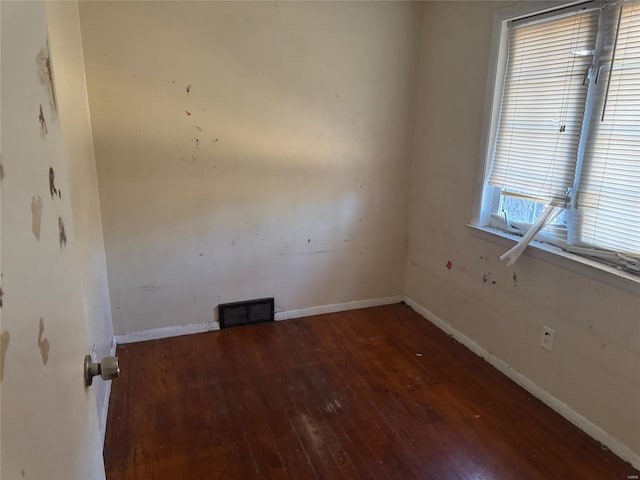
{"x":48,"y":420}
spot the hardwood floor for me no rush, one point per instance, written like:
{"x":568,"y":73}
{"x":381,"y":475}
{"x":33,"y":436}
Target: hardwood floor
{"x":373,"y":393}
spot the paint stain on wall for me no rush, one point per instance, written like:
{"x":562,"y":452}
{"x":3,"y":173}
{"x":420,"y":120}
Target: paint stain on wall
{"x":45,"y":75}
{"x":52,"y":184}
{"x":62,"y":233}
{"x":449,"y":265}
{"x":36,"y":216}
{"x":4,"y":346}
{"x":43,"y":343}
{"x":43,"y":123}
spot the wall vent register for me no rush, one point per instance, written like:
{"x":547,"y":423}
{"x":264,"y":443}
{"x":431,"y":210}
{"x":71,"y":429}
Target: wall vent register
{"x":246,"y":312}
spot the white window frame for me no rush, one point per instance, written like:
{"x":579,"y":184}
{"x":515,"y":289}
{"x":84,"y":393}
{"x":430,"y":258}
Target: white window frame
{"x":485,"y":197}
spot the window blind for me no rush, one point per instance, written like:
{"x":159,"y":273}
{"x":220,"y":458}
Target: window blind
{"x":543,"y":104}
{"x":608,"y":202}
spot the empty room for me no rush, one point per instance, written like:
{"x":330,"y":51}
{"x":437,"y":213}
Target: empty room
{"x":320,"y":240}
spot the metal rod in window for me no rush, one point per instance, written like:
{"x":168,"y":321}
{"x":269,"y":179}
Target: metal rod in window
{"x":613,"y":58}
{"x":548,"y":215}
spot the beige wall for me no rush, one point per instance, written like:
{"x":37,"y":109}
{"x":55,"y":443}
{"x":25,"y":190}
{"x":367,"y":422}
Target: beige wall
{"x":287,"y":177}
{"x":595,"y":364}
{"x":73,"y":110}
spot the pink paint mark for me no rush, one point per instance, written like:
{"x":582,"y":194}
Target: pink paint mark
{"x":449,"y":265}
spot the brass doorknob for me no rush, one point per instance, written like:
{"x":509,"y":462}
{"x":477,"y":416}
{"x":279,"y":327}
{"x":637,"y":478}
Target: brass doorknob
{"x":108,"y":369}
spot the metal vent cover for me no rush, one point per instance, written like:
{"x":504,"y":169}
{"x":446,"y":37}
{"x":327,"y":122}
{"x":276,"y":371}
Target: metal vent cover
{"x":246,"y":312}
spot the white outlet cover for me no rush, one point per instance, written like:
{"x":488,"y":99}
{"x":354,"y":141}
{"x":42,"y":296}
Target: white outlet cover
{"x":546,"y":340}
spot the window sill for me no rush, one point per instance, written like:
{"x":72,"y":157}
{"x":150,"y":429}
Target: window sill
{"x":568,"y":261}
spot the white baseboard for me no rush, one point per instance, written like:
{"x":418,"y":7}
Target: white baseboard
{"x":591,"y":429}
{"x":337,"y":307}
{"x":105,"y":400}
{"x":166,"y":332}
{"x":178,"y":330}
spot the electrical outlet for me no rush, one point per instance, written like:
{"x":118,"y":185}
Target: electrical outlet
{"x":546,"y":341}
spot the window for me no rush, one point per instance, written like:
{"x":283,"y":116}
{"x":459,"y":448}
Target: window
{"x":564,"y":153}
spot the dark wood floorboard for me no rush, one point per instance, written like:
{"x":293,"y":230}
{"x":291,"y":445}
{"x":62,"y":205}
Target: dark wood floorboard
{"x":338,"y":396}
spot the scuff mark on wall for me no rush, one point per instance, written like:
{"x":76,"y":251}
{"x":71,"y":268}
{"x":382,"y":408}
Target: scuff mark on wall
{"x":4,"y":346}
{"x":62,"y":233}
{"x":43,"y":123}
{"x":43,"y":343}
{"x":1,"y":172}
{"x":449,"y":265}
{"x":45,"y":75}
{"x":188,"y":113}
{"x":1,"y":297}
{"x":309,"y":252}
{"x":188,"y":89}
{"x":515,"y":279}
{"x":485,"y":277}
{"x":152,"y":287}
{"x":52,"y":184}
{"x":36,"y":216}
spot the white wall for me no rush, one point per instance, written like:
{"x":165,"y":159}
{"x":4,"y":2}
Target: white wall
{"x":73,"y":110}
{"x":595,"y":364}
{"x":48,"y":418}
{"x":287,"y":176}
